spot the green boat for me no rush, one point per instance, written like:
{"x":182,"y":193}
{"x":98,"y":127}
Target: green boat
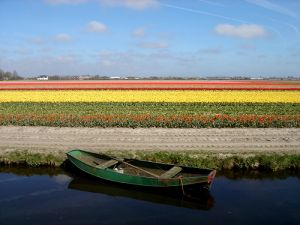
{"x":140,"y":172}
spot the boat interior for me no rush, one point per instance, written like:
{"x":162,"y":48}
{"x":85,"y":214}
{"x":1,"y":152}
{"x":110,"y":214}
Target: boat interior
{"x":140,"y":167}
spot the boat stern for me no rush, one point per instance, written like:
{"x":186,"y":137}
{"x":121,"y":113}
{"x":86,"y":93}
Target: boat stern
{"x":211,"y":176}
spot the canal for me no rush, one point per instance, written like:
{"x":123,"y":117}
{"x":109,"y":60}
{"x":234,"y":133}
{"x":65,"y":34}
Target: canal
{"x":56,"y":196}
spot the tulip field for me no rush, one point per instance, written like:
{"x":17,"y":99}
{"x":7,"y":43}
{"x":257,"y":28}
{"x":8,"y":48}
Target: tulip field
{"x":184,"y":96}
{"x":184,"y":104}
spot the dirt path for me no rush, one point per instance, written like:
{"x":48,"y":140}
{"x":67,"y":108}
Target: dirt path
{"x":218,"y":140}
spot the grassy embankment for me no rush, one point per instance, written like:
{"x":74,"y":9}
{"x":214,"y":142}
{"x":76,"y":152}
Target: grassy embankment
{"x":230,"y":161}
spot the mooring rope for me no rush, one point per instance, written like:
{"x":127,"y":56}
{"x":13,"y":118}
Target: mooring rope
{"x":182,"y":189}
{"x":183,"y":192}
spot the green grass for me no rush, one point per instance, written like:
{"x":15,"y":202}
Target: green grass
{"x":240,"y":161}
{"x":219,"y":161}
{"x":150,"y":108}
{"x":31,"y":159}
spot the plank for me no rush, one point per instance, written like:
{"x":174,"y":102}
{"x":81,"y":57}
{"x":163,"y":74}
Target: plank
{"x":107,"y":164}
{"x":171,"y":172}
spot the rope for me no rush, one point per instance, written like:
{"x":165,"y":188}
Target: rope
{"x":182,"y":189}
{"x":183,"y":192}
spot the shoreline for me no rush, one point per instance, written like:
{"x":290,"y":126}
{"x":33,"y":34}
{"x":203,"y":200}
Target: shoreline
{"x":226,"y":148}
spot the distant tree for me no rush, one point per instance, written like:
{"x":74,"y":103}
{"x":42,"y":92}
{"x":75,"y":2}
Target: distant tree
{"x":1,"y":74}
{"x":6,"y":75}
{"x":15,"y":76}
{"x":154,"y":78}
{"x":54,"y":77}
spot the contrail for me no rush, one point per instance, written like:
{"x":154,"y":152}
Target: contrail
{"x":273,"y":7}
{"x":291,"y":26}
{"x":218,"y":16}
{"x":202,"y":12}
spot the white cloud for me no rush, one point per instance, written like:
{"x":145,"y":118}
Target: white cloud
{"x":133,"y":4}
{"x":65,"y":59}
{"x":154,"y":45}
{"x":59,"y":2}
{"x":161,"y":62}
{"x":246,"y":31}
{"x":140,"y":32}
{"x":106,"y":63}
{"x":95,"y":26}
{"x":63,"y":37}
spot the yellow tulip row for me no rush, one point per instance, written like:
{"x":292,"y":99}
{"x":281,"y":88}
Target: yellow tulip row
{"x":150,"y":96}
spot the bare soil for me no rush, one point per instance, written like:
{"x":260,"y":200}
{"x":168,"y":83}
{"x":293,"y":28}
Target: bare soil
{"x":237,"y":140}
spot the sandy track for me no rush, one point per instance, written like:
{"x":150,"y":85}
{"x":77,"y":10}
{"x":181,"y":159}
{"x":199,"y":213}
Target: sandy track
{"x":51,"y":139}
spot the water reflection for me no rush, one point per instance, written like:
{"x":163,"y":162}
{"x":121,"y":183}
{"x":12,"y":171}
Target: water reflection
{"x":77,"y":180}
{"x":56,"y":196}
{"x":258,"y":175}
{"x":202,"y":200}
{"x":30,"y":171}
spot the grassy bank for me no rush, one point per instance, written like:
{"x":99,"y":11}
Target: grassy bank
{"x":220,"y":161}
{"x":27,"y":158}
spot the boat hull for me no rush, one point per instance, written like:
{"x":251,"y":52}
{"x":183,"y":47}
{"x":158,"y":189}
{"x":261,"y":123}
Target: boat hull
{"x":129,"y":179}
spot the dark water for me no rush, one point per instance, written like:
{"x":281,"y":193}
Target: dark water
{"x":59,"y":197}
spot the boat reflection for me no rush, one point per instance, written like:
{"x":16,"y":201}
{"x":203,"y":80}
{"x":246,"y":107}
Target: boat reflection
{"x":201,"y":200}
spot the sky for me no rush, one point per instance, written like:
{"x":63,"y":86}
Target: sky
{"x":151,"y":37}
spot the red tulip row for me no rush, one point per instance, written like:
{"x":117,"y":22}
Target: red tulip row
{"x":153,"y":89}
{"x":148,"y":120}
{"x":155,"y":83}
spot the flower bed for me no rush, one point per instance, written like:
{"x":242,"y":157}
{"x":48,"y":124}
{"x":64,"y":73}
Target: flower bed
{"x":176,"y":104}
{"x":148,"y":120}
{"x":152,"y":96}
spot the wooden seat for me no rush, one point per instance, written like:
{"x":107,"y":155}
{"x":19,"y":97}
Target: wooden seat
{"x":107,"y":164}
{"x":171,"y":172}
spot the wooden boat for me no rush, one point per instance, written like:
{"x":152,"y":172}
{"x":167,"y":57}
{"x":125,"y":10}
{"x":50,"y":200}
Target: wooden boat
{"x":140,"y":172}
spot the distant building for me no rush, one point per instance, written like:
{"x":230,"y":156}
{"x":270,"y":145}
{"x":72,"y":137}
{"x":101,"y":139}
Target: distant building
{"x":84,"y":77}
{"x":115,"y":77}
{"x":42,"y":78}
{"x":75,"y":78}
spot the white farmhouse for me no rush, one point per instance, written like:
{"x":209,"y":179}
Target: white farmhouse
{"x":43,"y":77}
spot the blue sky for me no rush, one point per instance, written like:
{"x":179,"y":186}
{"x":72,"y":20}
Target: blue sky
{"x":151,"y":37}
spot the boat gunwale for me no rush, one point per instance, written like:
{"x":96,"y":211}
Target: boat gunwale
{"x":197,"y":176}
